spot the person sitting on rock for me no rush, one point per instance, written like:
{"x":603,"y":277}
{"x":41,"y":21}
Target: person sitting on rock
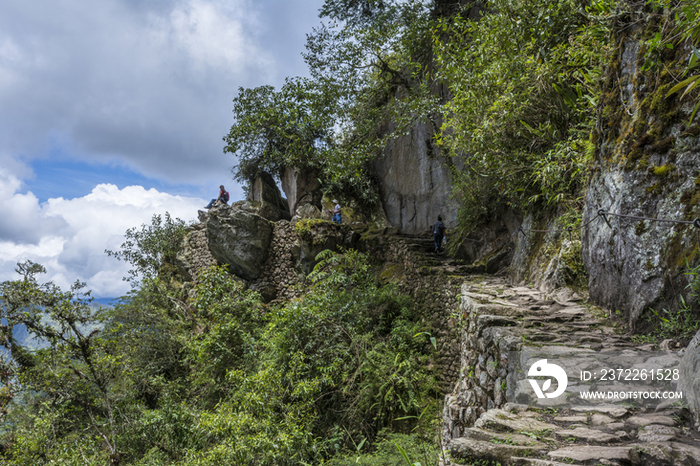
{"x":336,"y":212}
{"x":438,"y":233}
{"x":223,"y":198}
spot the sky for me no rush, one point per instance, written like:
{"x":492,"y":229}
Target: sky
{"x":114,"y":110}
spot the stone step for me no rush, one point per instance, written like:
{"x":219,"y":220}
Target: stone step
{"x":592,"y":454}
{"x":470,"y":450}
{"x":515,"y":461}
{"x":505,"y":329}
{"x":522,"y":435}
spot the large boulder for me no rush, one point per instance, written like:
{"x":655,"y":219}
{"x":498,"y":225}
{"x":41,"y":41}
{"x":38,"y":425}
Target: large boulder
{"x":301,"y":187}
{"x":239,"y":239}
{"x":265,"y":199}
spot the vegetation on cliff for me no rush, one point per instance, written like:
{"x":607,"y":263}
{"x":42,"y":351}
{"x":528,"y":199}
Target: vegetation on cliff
{"x":208,"y":374}
{"x":511,"y":89}
{"x":213,"y":375}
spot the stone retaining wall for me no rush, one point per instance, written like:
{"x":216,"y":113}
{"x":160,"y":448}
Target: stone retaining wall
{"x":279,"y":277}
{"x":195,"y":254}
{"x":435,"y":288}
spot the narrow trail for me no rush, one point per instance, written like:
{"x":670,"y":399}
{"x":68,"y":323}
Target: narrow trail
{"x":491,"y":413}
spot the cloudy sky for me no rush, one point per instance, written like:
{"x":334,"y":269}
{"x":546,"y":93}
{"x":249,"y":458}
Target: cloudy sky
{"x":113,"y":110}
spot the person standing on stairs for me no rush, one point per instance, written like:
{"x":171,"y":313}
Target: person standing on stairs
{"x":438,"y":233}
{"x":336,"y":212}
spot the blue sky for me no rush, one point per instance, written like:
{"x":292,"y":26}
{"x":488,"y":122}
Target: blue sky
{"x":112,"y":111}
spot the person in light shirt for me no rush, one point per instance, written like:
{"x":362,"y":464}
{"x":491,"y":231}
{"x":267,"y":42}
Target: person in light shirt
{"x":336,"y":212}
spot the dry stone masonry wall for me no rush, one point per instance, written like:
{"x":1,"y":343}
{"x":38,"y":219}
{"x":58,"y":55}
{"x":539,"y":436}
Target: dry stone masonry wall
{"x":434,"y":282}
{"x":195,"y":255}
{"x":279,"y":277}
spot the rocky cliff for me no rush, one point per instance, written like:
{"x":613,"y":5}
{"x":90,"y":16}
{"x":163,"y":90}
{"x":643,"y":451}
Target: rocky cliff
{"x":414,"y":182}
{"x":646,"y":164}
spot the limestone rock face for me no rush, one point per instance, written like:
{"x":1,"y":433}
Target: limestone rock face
{"x":689,"y":381}
{"x":316,"y":236}
{"x":266,"y":199}
{"x":414,"y":183}
{"x":491,"y":244}
{"x":645,"y":165}
{"x":301,"y":187}
{"x":239,"y":239}
{"x":549,"y":260}
{"x":306,"y":211}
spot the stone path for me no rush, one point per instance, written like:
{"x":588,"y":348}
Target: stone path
{"x":523,"y":435}
{"x":493,"y":416}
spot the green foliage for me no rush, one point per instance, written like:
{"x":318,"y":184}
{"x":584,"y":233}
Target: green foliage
{"x":212,"y":376}
{"x":74,"y":371}
{"x":370,"y":83}
{"x":689,"y":84}
{"x":355,"y":341}
{"x":388,"y":452}
{"x":677,"y":25}
{"x":231,"y":318}
{"x":305,"y":227}
{"x":151,"y":247}
{"x":679,"y":325}
{"x":378,"y":68}
{"x":524,"y":80}
{"x":694,"y":285}
{"x":276,"y":129}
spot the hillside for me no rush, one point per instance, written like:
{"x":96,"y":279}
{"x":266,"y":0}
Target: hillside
{"x":557,"y":139}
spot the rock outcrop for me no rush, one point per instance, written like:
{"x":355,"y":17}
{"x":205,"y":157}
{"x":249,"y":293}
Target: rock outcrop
{"x":689,"y":380}
{"x":414,"y":182}
{"x":238,"y":239}
{"x":316,"y":235}
{"x":646,"y":165}
{"x":301,"y":187}
{"x":264,"y":199}
{"x":549,"y":259}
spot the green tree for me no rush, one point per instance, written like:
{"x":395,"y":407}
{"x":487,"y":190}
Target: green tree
{"x":371,"y":80}
{"x":524,"y":79}
{"x":75,"y":370}
{"x":150,"y":248}
{"x":275,"y":129}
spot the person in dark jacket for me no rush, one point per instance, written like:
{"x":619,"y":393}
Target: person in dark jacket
{"x":223,"y":197}
{"x":438,"y":233}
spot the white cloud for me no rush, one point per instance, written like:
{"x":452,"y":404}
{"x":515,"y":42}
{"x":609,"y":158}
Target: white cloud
{"x":23,"y":222}
{"x":90,"y":224}
{"x":213,"y":35}
{"x":151,"y":88}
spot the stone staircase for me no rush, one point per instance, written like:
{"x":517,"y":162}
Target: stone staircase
{"x":492,"y":416}
{"x":588,"y":435}
{"x":424,"y":245}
